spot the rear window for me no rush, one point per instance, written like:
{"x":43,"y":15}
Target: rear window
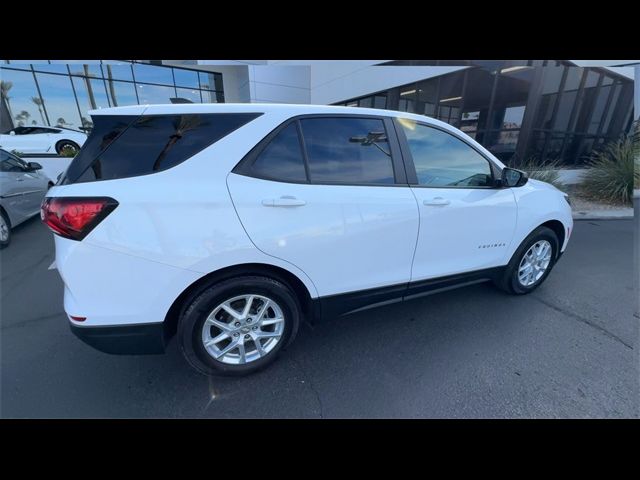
{"x":122,"y":146}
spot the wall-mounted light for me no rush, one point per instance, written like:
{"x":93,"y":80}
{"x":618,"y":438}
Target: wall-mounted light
{"x":514,"y":69}
{"x":408,"y":92}
{"x":451,"y":99}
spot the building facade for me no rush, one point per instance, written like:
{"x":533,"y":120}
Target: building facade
{"x":547,"y":111}
{"x":557,"y":111}
{"x":57,"y":93}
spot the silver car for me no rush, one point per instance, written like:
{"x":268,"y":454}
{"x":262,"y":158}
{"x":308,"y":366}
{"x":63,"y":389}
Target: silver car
{"x":22,"y":188}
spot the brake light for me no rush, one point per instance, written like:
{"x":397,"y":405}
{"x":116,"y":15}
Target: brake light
{"x":75,"y":217}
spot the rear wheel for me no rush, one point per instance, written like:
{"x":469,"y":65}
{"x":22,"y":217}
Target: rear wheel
{"x":5,"y":230}
{"x":531,"y":263}
{"x":66,"y":145}
{"x":238,"y":326}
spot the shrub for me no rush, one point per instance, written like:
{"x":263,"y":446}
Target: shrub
{"x":17,"y":153}
{"x":68,"y":152}
{"x":614,"y":170}
{"x":546,"y":171}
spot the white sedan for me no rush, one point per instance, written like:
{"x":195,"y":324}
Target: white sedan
{"x":42,"y":139}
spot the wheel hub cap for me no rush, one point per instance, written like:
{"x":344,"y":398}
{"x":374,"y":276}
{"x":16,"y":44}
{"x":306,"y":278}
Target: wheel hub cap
{"x":243,"y":329}
{"x":534,"y":263}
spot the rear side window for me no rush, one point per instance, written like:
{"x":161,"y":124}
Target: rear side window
{"x":122,"y":146}
{"x":347,"y":150}
{"x":282,"y":158}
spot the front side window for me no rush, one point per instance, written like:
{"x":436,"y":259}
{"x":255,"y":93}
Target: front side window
{"x":442,"y":160}
{"x":347,"y":150}
{"x":9,"y":163}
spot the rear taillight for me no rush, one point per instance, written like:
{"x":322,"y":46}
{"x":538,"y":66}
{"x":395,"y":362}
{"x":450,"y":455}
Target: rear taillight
{"x":75,"y":217}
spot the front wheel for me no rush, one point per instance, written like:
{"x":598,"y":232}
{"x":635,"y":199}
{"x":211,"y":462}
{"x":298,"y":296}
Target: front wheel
{"x":531,"y":263}
{"x":5,"y":230}
{"x":238,"y":326}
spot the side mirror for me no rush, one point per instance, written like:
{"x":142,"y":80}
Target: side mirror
{"x":513,"y":178}
{"x":12,"y":132}
{"x":33,"y":166}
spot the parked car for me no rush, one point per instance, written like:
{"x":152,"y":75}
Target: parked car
{"x":42,"y":139}
{"x":229,"y":224}
{"x":22,"y":189}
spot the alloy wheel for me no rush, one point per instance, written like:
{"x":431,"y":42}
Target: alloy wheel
{"x":243,"y":329}
{"x":4,"y":229}
{"x":534,"y":263}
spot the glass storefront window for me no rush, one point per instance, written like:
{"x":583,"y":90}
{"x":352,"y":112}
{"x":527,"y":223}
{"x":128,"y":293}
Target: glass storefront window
{"x":207,"y":81}
{"x":18,"y":94}
{"x":450,"y":99}
{"x":380,"y":101}
{"x":148,"y":94}
{"x":189,"y":94}
{"x":213,"y":97}
{"x":51,"y":68}
{"x":567,"y":102}
{"x":117,"y":72}
{"x":85,"y":69}
{"x":59,"y":101}
{"x":185,"y":78}
{"x":574,"y":75}
{"x":145,"y":73}
{"x":121,"y":93}
{"x":91,"y":95}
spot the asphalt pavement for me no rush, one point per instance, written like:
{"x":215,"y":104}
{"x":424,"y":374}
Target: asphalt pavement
{"x":568,"y":350}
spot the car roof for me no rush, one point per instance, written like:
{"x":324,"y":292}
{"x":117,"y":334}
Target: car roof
{"x":281,"y":108}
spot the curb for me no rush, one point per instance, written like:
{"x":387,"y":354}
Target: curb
{"x":626,"y":217}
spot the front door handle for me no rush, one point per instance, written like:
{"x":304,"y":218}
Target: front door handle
{"x":437,"y":202}
{"x":284,"y":201}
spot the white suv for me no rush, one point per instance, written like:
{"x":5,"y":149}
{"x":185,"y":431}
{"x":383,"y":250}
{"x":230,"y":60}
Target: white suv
{"x":230,"y":224}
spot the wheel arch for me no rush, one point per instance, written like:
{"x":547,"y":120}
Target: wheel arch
{"x":7,"y":216}
{"x":559,"y":229}
{"x":271,"y":271}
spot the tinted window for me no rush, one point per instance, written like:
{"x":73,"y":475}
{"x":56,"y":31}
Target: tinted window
{"x":441,"y":160}
{"x":282,"y":158}
{"x":9,"y":163}
{"x":126,"y":146}
{"x":347,"y":150}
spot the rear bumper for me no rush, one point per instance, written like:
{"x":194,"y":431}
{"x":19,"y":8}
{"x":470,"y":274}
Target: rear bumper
{"x":142,"y":339}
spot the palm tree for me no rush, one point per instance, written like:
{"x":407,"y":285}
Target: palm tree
{"x":39,"y":104}
{"x":180,"y":126}
{"x":4,"y":91}
{"x":20,"y":119}
{"x":87,"y":82}
{"x":112,"y":90}
{"x":25,"y":115}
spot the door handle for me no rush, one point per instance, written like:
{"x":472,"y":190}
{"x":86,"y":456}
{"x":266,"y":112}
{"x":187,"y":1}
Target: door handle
{"x":284,"y":201}
{"x":437,"y":202}
{"x":19,"y":179}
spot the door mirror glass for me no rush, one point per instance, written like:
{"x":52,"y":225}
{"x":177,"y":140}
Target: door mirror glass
{"x":513,"y":178}
{"x":33,"y":166}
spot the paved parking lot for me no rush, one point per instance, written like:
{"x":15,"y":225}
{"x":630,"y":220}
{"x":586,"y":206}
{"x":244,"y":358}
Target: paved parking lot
{"x":567,"y":350}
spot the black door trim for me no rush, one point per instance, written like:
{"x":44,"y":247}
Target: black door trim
{"x":346,"y":303}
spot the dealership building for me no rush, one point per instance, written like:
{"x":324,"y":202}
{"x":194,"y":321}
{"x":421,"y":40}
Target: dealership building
{"x":547,"y":110}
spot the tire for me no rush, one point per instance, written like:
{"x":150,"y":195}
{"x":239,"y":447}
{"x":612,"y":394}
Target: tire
{"x":192,"y":332}
{"x":510,"y":281}
{"x":62,"y":144}
{"x":5,"y":230}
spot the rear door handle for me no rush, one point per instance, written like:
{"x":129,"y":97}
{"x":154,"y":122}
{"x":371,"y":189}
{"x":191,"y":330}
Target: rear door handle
{"x":437,"y":202}
{"x":284,"y":201}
